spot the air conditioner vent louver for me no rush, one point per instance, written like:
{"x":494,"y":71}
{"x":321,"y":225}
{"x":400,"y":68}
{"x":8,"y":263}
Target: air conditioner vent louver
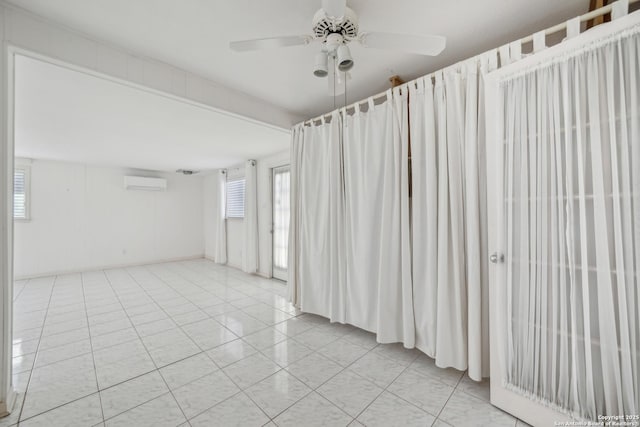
{"x":144,"y":183}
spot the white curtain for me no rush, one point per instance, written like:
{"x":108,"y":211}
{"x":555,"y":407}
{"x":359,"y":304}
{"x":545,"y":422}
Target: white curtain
{"x":316,"y":253}
{"x":293,"y":280}
{"x":376,"y":238}
{"x":350,"y":238}
{"x":362,"y":252}
{"x":250,"y":222}
{"x":220,"y":249}
{"x":450,"y":277}
{"x":572,"y":199}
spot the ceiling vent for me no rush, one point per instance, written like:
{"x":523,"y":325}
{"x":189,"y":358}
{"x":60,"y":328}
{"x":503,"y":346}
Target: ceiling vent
{"x":144,"y":183}
{"x":187,"y":172}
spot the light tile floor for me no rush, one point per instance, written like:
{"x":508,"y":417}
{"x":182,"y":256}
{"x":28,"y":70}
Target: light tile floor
{"x":195,"y":343}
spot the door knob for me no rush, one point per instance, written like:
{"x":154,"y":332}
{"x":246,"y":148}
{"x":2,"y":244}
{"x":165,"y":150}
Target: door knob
{"x":496,"y":258}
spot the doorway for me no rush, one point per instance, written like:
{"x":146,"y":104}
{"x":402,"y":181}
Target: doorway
{"x":281,"y":178}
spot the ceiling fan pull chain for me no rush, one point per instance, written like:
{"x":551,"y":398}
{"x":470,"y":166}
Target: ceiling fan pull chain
{"x":345,"y":92}
{"x":334,"y":86}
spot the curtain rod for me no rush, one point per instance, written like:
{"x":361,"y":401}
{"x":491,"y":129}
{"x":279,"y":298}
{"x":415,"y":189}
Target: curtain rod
{"x":551,"y":30}
{"x":583,"y":18}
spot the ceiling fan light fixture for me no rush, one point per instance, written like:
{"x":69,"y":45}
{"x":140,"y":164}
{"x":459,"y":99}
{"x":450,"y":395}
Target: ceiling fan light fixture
{"x":321,"y":68}
{"x":345,"y":61}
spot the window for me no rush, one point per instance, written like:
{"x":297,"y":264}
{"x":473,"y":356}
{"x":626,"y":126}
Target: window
{"x":21,"y":192}
{"x":235,"y":198}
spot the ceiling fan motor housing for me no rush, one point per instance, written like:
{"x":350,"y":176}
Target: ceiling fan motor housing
{"x":345,"y":26}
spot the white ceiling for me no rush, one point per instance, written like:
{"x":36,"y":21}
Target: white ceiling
{"x":61,"y":114}
{"x":194,"y":35}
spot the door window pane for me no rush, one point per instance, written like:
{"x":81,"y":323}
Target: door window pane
{"x":281,"y":182}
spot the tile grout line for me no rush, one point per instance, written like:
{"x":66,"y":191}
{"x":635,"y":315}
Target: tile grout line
{"x":15,"y":299}
{"x":344,"y":368}
{"x":171,"y":317}
{"x":260,"y":298}
{"x":246,"y":283}
{"x":56,"y":347}
{"x":383,"y":389}
{"x":93,"y":358}
{"x":454,"y":388}
{"x":133,"y":327}
{"x":253,"y":297}
{"x":26,"y":390}
{"x":242,"y":309}
{"x":293,"y":375}
{"x":145,"y":347}
{"x":260,"y":351}
{"x":450,"y":396}
{"x":76,"y":341}
{"x":274,"y":373}
{"x":347,"y":367}
{"x":269,"y":376}
{"x":240,"y":390}
{"x":243,"y":391}
{"x":57,"y":407}
{"x":193,"y":283}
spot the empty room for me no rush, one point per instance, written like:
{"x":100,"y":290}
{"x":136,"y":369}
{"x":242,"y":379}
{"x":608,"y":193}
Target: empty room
{"x":319,"y":213}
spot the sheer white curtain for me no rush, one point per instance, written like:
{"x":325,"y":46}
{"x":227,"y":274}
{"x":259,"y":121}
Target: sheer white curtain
{"x":250,"y":222}
{"x":450,"y":277}
{"x":220,"y":251}
{"x":376,"y":239}
{"x":572,"y":198}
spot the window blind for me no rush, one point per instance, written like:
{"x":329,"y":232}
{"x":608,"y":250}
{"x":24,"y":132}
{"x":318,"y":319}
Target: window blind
{"x":20,"y":193}
{"x":235,"y":198}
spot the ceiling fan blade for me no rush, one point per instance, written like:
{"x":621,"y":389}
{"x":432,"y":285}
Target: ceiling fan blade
{"x":421,"y":45}
{"x":336,"y":84}
{"x":334,"y":8}
{"x":269,"y":43}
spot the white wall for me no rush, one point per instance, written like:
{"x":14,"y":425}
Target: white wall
{"x":83,"y":218}
{"x":29,"y":31}
{"x":235,"y":226}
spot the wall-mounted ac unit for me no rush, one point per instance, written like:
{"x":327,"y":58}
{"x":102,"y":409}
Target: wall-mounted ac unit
{"x":144,"y":183}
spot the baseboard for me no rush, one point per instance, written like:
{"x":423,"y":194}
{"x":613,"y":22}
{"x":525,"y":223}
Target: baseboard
{"x":257,"y":273}
{"x":237,"y":267}
{"x":108,"y":267}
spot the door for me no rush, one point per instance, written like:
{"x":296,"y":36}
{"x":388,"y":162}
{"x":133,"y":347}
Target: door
{"x":280,"y":227}
{"x":502,"y":263}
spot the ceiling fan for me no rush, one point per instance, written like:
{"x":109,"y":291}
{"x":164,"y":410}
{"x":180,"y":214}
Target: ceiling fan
{"x":335,"y":26}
